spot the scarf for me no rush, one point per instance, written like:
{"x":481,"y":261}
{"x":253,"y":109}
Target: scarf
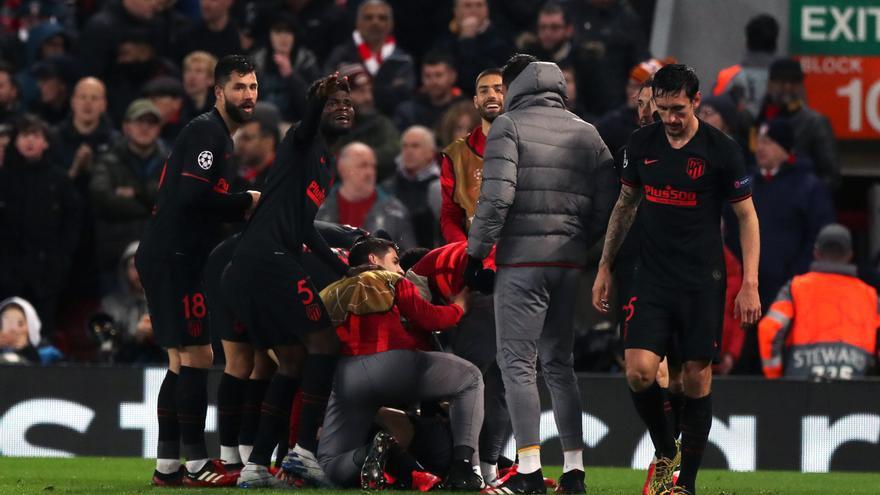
{"x":372,"y":60}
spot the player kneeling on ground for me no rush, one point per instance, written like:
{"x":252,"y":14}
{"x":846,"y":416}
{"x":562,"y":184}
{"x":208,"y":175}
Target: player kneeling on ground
{"x":387,"y":364}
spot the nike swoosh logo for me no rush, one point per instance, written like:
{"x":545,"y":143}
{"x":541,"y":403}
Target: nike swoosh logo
{"x":651,"y":162}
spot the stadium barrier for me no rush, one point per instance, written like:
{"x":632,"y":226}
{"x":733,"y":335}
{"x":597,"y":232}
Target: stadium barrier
{"x":804,"y":426}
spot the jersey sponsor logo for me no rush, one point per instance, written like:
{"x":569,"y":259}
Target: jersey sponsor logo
{"x":742,"y":182}
{"x":222,"y":186}
{"x":696,"y":167}
{"x":313,"y":312}
{"x":205,"y":159}
{"x":651,"y":162}
{"x":315,"y":193}
{"x":670,"y":196}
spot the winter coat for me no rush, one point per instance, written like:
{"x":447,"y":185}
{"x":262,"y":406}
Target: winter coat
{"x":125,"y":306}
{"x":376,"y":131}
{"x":548,"y":179}
{"x":120,"y":220}
{"x":491,"y":48}
{"x":387,"y":213}
{"x":416,"y":193}
{"x":395,"y":80}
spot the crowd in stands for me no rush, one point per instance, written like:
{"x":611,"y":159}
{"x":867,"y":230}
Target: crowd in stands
{"x":93,"y":93}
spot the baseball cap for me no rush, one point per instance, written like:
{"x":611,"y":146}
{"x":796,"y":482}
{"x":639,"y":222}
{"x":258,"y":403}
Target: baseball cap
{"x":141,"y":108}
{"x":786,"y":70}
{"x":779,"y":130}
{"x":834,"y":237}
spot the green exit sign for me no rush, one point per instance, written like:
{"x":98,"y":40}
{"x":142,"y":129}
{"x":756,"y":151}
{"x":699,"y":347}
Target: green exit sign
{"x":835,"y":27}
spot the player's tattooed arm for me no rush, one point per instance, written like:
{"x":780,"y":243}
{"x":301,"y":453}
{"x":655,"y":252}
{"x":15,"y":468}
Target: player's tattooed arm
{"x":622,"y":218}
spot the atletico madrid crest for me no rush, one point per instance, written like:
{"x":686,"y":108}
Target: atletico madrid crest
{"x":696,"y":168}
{"x":313,"y":311}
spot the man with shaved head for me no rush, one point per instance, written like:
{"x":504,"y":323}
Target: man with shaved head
{"x":87,"y":131}
{"x":416,"y":183}
{"x":359,"y":203}
{"x":373,"y":45}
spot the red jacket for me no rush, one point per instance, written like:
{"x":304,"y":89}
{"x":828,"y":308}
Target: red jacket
{"x":443,"y":268}
{"x":733,"y":335}
{"x":371,"y":334}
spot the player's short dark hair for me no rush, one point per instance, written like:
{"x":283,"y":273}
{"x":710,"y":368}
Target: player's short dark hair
{"x":491,"y":71}
{"x":551,"y":8}
{"x":674,"y":78}
{"x":31,"y":124}
{"x":761,"y":33}
{"x":435,"y":57}
{"x":229,"y":64}
{"x":367,"y":245}
{"x":411,"y":256}
{"x":514,"y":66}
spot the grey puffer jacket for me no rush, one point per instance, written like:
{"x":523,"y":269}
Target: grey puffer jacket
{"x":548,"y":179}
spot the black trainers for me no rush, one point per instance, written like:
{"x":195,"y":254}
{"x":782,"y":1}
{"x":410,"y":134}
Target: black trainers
{"x":373,"y":470}
{"x":173,"y":479}
{"x":572,"y":483}
{"x":521,"y":484}
{"x":462,"y":477}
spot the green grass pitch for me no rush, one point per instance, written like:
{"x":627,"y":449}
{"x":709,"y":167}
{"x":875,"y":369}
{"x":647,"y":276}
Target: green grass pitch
{"x":128,"y":476}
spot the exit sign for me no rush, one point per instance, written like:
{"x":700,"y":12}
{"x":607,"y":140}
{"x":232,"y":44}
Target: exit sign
{"x":835,"y":27}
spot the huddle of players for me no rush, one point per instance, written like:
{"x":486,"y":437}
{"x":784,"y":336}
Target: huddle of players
{"x":265,"y":278}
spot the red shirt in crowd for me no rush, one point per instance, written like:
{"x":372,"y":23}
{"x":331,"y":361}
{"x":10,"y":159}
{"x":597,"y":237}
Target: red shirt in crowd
{"x":354,"y":213}
{"x":371,"y":334}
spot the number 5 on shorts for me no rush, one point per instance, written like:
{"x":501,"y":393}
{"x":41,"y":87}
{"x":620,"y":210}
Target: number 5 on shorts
{"x":303,"y":288}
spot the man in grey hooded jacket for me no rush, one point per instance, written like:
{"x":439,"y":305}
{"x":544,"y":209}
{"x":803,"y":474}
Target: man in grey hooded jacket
{"x":548,"y":190}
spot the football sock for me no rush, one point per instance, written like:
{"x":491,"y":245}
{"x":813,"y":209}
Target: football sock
{"x":695,"y":425}
{"x":572,"y":459}
{"x":168,"y":451}
{"x":317,"y":381}
{"x":274,"y":414}
{"x":490,"y":472}
{"x":192,"y":407}
{"x":230,"y":395}
{"x":649,"y":405}
{"x":529,"y":459}
{"x":676,"y":403}
{"x":250,"y":416}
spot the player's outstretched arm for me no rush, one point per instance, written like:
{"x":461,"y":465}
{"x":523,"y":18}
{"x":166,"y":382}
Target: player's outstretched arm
{"x":747,"y":306}
{"x":622,"y":217}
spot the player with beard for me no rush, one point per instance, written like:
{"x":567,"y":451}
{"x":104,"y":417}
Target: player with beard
{"x":686,"y":170}
{"x":273,"y":295}
{"x":194,"y":199}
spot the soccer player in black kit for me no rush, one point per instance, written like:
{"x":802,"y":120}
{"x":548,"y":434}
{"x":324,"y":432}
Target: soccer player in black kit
{"x":193,"y":200}
{"x":685,"y":169}
{"x":274,"y":297}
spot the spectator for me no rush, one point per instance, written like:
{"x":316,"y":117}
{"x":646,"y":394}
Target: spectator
{"x":103,"y":33}
{"x":216,"y":32}
{"x":438,"y":92}
{"x":572,"y":102}
{"x":124,"y":185}
{"x":823,"y":324}
{"x":370,"y":126}
{"x":19,"y":332}
{"x":417,"y":183}
{"x":127,"y":307}
{"x":198,"y":84}
{"x":746,"y":81}
{"x":324,"y":23}
{"x":137,"y":62}
{"x":457,"y":122}
{"x":5,"y":138}
{"x":44,"y":41}
{"x":554,"y":42}
{"x":285,"y":69}
{"x":720,"y":113}
{"x":474,"y":41}
{"x":39,"y":221}
{"x":616,"y":125}
{"x":374,"y":46}
{"x":10,"y":107}
{"x":359,"y":203}
{"x":813,"y":137}
{"x":168,"y":94}
{"x":610,"y":35}
{"x":255,"y":144}
{"x":55,"y":77}
{"x":86,"y":133}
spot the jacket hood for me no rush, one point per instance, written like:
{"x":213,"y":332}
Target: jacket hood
{"x":39,"y":34}
{"x":122,"y":269}
{"x":539,"y":84}
{"x":30,"y":314}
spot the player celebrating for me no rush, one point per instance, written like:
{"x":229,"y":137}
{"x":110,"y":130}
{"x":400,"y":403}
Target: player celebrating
{"x":685,"y":169}
{"x":272,"y":293}
{"x":193,"y":200}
